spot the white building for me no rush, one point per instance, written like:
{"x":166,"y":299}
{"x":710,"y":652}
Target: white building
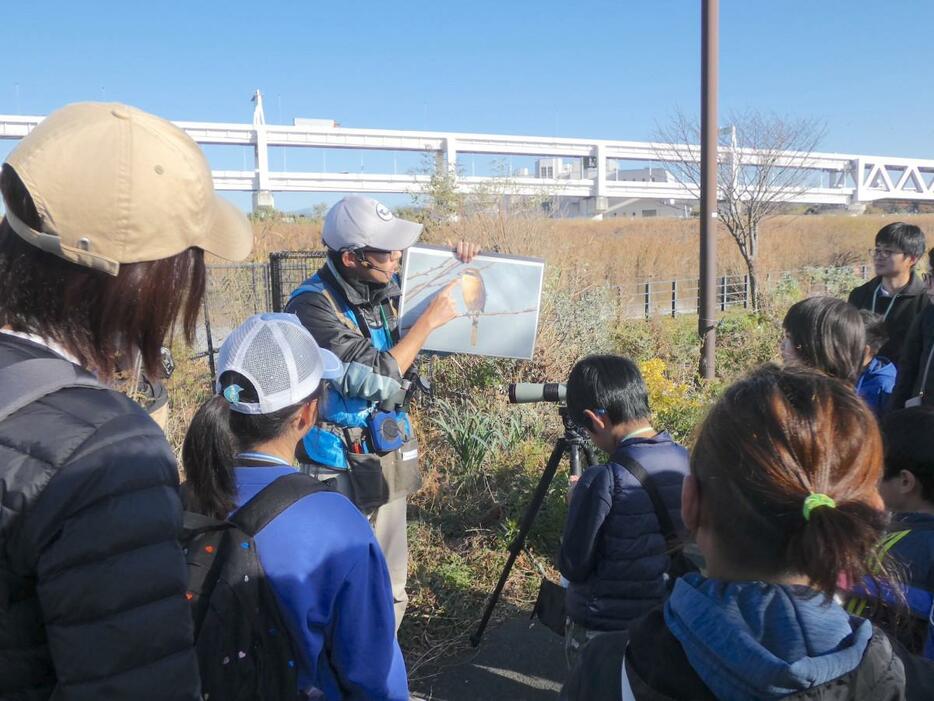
{"x":577,"y":169}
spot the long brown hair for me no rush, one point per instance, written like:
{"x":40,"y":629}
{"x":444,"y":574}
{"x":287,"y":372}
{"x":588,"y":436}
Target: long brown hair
{"x":772,"y":439}
{"x":829,"y":335}
{"x":97,"y":317}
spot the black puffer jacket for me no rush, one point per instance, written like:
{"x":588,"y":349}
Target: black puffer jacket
{"x":916,"y":353}
{"x":92,"y":578}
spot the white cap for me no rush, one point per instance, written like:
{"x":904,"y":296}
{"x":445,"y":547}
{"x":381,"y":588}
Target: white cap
{"x":361,"y":222}
{"x":279,"y":357}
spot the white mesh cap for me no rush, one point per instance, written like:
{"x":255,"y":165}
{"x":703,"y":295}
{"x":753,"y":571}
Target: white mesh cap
{"x":279,"y":357}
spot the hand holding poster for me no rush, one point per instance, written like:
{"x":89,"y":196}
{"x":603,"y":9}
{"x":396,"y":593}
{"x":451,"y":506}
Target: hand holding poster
{"x":498,"y":299}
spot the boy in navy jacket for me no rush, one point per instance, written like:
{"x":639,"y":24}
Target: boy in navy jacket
{"x":613,"y":550}
{"x":907,"y":487}
{"x":877,"y":380}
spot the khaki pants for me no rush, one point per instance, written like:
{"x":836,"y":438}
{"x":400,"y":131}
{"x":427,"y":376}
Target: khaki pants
{"x":389,"y":526}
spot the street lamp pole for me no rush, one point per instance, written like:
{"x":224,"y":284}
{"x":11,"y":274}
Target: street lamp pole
{"x":707,"y":323}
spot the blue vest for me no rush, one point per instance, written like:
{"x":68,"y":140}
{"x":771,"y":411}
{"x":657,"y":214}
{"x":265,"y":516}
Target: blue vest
{"x":321,"y":445}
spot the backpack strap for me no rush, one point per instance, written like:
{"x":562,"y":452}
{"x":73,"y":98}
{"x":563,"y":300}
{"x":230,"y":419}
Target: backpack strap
{"x":194,"y":523}
{"x":275,"y":498}
{"x":635,"y":468}
{"x":341,"y":315}
{"x":27,"y":381}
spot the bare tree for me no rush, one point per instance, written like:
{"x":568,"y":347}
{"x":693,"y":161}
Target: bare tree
{"x":763,"y":161}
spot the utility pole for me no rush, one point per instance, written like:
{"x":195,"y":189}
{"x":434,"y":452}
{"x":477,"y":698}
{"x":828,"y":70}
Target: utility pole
{"x":707,"y":323}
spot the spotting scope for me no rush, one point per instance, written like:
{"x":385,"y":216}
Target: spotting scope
{"x":527,"y":392}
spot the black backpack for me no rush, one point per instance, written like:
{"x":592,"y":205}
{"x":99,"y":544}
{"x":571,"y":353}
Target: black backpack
{"x":244,"y":649}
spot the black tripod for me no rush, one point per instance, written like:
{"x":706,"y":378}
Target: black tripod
{"x":573,"y":443}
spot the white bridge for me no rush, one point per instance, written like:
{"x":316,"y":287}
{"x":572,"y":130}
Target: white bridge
{"x":838,"y":179}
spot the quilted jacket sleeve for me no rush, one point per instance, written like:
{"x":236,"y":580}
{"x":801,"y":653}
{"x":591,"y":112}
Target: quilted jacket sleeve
{"x":110,"y":574}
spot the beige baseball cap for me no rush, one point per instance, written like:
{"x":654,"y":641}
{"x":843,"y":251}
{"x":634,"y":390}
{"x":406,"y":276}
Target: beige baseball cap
{"x":113,"y":184}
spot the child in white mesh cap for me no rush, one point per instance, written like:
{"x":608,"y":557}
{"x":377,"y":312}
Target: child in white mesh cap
{"x":319,"y":554}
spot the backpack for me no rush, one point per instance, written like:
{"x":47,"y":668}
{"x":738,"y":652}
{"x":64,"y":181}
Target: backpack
{"x":244,"y":649}
{"x":877,"y":600}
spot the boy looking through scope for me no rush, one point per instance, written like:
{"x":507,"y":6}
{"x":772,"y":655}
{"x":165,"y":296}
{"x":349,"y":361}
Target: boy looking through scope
{"x":611,"y":582}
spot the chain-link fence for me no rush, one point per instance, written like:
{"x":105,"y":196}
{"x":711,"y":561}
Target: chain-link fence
{"x":289,"y":269}
{"x":236,"y":291}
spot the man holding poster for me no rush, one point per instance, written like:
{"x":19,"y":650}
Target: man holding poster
{"x":364,"y":438}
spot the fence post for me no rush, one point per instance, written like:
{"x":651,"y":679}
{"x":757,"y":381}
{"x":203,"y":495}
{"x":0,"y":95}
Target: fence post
{"x":746,"y":291}
{"x":275,"y":280}
{"x":208,"y":338}
{"x":648,"y":300}
{"x":723,"y":293}
{"x":674,"y":298}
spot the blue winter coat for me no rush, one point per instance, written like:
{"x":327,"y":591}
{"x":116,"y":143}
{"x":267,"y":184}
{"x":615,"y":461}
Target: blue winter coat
{"x":613,"y":551}
{"x":330,"y":579}
{"x":876,"y":383}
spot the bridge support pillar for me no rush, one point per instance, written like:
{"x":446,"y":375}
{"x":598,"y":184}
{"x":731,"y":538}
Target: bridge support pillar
{"x":262,"y":195}
{"x":598,"y":204}
{"x":263,"y":199}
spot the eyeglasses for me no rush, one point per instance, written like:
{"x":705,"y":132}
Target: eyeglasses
{"x":883,"y":252}
{"x":379,"y":255}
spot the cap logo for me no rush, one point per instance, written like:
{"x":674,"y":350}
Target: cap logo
{"x":382,"y":211}
{"x":232,"y":393}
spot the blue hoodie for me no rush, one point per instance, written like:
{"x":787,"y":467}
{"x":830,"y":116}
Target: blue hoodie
{"x":330,"y":578}
{"x":764,"y":641}
{"x":876,"y":383}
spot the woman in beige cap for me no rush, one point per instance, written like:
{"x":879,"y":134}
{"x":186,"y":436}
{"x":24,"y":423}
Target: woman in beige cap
{"x":108,"y":213}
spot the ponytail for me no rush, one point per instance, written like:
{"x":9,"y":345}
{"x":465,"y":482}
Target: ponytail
{"x":838,"y":541}
{"x":208,"y":455}
{"x":776,"y":440}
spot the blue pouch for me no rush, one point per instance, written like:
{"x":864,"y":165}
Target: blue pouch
{"x":387,"y":430}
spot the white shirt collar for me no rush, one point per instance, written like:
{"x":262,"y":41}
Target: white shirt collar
{"x":51,"y":345}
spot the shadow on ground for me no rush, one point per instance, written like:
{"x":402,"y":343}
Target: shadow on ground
{"x":516,"y":660}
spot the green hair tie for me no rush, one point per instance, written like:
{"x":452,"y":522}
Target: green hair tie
{"x":816,"y":500}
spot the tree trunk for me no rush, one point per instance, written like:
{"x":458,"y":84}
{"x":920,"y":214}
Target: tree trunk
{"x":753,"y":268}
{"x":752,"y":264}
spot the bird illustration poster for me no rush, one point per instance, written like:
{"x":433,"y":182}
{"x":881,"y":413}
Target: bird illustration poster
{"x":497,"y":299}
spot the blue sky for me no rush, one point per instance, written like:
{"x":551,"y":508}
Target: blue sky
{"x":585,"y":69}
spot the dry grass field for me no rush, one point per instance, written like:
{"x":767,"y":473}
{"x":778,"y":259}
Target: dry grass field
{"x":617,"y":251}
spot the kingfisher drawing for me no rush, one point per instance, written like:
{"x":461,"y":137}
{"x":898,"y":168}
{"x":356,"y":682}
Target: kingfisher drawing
{"x":474,"y":291}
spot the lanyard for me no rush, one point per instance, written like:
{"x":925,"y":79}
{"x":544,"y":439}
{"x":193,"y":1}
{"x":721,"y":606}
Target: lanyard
{"x":638,"y":432}
{"x":256,"y":456}
{"x":891,"y":301}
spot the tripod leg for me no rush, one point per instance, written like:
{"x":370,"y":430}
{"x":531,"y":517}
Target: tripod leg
{"x":588,"y":451}
{"x":575,"y":458}
{"x":516,"y":547}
